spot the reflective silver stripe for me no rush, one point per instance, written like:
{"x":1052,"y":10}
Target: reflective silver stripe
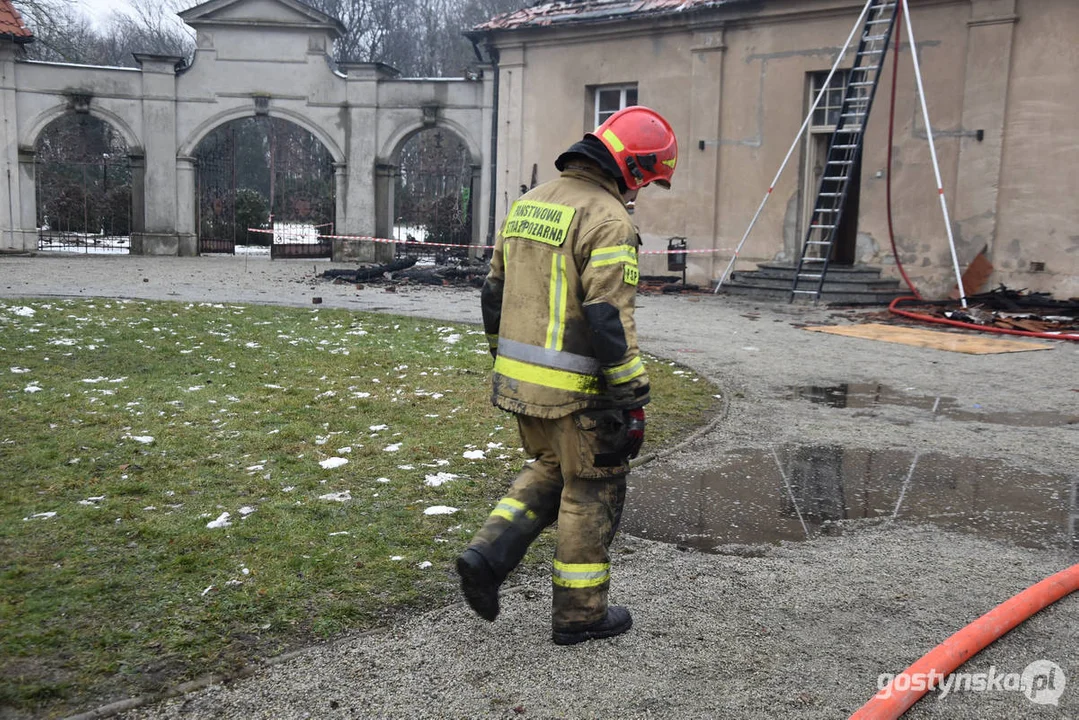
{"x":560,"y":360}
{"x":624,"y":373}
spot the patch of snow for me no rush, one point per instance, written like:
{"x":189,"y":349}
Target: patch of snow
{"x":397,"y":557}
{"x":23,"y":311}
{"x":440,"y":510}
{"x":246,"y":510}
{"x":334,"y":462}
{"x":473,"y":455}
{"x":382,"y":480}
{"x":343,"y":496}
{"x":32,"y":388}
{"x":425,"y":564}
{"x":376,"y":428}
{"x":393,"y":447}
{"x":221,"y":521}
{"x":438,"y":479}
{"x":345,"y":450}
{"x":41,"y":516}
{"x":20,"y":370}
{"x":143,"y":439}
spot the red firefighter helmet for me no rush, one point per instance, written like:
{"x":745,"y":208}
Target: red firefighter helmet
{"x":643,"y":145}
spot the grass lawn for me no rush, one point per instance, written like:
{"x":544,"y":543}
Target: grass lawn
{"x":186,"y":487}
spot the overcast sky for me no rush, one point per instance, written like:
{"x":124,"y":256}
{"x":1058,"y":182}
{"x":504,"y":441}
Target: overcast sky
{"x":100,"y":10}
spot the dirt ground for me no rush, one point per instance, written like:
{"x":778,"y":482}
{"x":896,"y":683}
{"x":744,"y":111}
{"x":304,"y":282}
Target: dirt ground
{"x":767,"y":626}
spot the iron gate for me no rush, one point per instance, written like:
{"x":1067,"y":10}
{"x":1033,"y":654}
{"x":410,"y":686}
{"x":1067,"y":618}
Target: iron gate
{"x":82,"y":176}
{"x":433,"y":194}
{"x":265,"y":182}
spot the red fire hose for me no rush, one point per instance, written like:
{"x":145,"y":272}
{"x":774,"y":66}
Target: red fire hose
{"x":891,"y":702}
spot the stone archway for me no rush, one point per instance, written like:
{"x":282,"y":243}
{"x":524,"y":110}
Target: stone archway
{"x":430,"y":180}
{"x":83,"y":185}
{"x":264,"y":181}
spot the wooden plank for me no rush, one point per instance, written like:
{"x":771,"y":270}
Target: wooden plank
{"x":933,"y":339}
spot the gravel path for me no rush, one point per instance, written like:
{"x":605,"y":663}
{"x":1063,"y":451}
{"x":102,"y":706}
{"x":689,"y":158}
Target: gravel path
{"x":796,"y":629}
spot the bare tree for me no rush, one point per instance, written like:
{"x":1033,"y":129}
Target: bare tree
{"x":62,"y":34}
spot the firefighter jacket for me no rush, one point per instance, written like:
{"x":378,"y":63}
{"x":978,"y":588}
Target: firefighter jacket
{"x":558,"y":302}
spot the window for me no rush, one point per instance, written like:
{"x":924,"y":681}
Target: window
{"x":611,"y":99}
{"x":827,"y":112}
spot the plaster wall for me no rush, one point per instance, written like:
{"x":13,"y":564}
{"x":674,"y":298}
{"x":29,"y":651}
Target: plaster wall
{"x":736,"y":81}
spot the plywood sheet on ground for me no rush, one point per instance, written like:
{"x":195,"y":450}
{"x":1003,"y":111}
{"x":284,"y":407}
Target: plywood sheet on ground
{"x":953,"y":342}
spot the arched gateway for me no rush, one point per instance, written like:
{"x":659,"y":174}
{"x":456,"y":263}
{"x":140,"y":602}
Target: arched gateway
{"x":253,"y":58}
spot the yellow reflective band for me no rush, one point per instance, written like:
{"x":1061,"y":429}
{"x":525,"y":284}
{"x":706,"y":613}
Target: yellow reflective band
{"x":580,"y":575}
{"x":612,"y":255}
{"x":610,"y":137}
{"x":547,"y":377}
{"x":556,"y":326}
{"x":547,"y":223}
{"x":613,"y":250}
{"x":625,"y":372}
{"x":502,"y":513}
{"x":510,"y":509}
{"x":565,"y":567}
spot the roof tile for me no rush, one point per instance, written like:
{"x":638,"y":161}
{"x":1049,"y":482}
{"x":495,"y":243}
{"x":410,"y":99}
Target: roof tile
{"x":585,"y":11}
{"x":11,"y":23}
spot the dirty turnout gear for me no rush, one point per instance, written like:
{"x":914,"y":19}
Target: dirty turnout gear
{"x":579,"y":479}
{"x":567,"y":256}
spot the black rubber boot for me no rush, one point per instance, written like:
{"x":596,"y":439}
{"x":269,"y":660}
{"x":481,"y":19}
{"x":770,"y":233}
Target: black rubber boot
{"x":615,"y":622}
{"x":478,"y":584}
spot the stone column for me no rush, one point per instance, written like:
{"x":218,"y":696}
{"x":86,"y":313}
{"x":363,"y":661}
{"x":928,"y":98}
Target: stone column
{"x":989,"y":50}
{"x":10,"y":211}
{"x":26,"y":203}
{"x":361,"y":196}
{"x":159,"y":235}
{"x":340,"y":185}
{"x":187,"y":199}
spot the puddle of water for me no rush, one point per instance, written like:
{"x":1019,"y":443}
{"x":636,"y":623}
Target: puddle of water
{"x":870,"y":395}
{"x":795,"y":492}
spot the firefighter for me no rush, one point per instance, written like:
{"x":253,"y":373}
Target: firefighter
{"x":558,"y":312}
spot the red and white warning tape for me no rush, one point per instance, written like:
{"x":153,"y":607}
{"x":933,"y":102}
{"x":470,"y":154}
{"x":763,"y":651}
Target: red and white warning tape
{"x":371,"y":238}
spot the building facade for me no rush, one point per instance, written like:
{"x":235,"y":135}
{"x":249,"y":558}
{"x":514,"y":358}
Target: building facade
{"x":736,"y":79}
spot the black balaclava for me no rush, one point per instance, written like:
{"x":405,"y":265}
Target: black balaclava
{"x":591,"y":148}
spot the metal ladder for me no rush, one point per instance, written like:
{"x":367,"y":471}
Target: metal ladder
{"x":844,"y":149}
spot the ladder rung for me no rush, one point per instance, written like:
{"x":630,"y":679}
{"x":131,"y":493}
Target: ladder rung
{"x":805,"y":292}
{"x":878,"y":22}
{"x":861,"y":83}
{"x":873,"y":38}
{"x":825,"y":210}
{"x":831,"y":194}
{"x":823,"y":227}
{"x":867,"y":68}
{"x":819,"y":242}
{"x":834,"y":178}
{"x":812,"y":259}
{"x":844,"y":147}
{"x":870,"y":52}
{"x":840,"y":162}
{"x":810,"y":276}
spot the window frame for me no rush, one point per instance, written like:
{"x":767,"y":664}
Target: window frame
{"x":623,"y":95}
{"x":834,"y":94}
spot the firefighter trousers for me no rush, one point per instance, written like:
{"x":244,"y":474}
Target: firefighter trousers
{"x":578,"y":478}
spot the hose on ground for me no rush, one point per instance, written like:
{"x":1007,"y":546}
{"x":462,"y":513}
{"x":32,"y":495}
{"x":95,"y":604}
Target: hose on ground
{"x":892,"y":701}
{"x":893,"y":307}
